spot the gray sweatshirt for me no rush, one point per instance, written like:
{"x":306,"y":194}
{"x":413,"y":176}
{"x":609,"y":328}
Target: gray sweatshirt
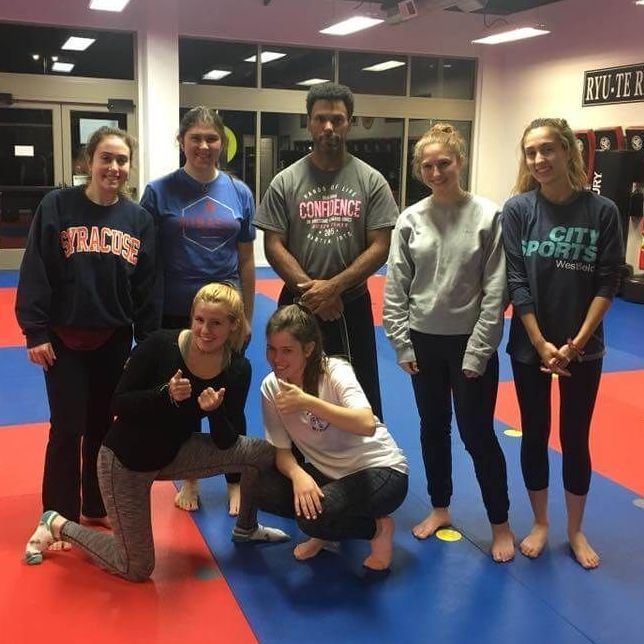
{"x":446,"y":276}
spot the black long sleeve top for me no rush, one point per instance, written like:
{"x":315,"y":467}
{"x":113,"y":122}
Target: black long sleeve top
{"x":149,"y":428}
{"x":559,"y":257}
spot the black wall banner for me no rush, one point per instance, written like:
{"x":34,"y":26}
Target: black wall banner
{"x":614,"y":85}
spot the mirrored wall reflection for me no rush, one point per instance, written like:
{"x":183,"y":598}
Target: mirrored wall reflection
{"x":74,"y":51}
{"x":378,"y":142}
{"x":284,"y":140}
{"x":373,"y":73}
{"x":442,"y":77}
{"x":295,"y":67}
{"x":416,"y":190}
{"x":208,"y":62}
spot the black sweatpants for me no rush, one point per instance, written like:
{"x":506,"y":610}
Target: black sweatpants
{"x":80,"y":385}
{"x":440,"y":377}
{"x":577,"y":401}
{"x":354,"y":338}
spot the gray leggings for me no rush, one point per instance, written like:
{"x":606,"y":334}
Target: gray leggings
{"x":129,"y":550}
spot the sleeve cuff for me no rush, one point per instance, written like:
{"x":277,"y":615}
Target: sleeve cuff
{"x":406,"y":354}
{"x":475,"y":363}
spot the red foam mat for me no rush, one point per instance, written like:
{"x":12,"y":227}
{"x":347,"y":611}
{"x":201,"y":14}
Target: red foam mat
{"x":617,"y":431}
{"x":10,"y":333}
{"x":67,"y":598}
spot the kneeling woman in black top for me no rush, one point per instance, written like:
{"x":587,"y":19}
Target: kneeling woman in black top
{"x":171,"y":381}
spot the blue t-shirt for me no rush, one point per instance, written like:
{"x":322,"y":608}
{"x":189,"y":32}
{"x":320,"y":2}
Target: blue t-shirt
{"x":199,"y":226}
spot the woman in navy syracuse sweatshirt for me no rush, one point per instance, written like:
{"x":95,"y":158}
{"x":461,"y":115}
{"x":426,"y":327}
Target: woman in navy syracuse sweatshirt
{"x":564,"y":250}
{"x":445,"y":293}
{"x":85,"y":284}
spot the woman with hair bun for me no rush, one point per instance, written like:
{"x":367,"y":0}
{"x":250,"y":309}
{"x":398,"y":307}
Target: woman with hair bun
{"x":564,"y":249}
{"x":445,"y":294}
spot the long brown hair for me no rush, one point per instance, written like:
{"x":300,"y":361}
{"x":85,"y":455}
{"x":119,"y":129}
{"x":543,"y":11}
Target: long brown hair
{"x":577,"y":177}
{"x":95,"y":140}
{"x":302,"y":325}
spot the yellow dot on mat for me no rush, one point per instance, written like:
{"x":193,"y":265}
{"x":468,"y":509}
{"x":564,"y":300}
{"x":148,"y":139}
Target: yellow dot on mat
{"x":514,"y":433}
{"x":448,"y":534}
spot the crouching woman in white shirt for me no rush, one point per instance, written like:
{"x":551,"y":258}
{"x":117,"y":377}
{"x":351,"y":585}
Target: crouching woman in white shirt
{"x":353,"y":475}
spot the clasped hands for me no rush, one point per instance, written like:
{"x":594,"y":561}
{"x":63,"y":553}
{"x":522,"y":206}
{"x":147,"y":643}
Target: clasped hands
{"x":179,"y":389}
{"x":321,"y":297}
{"x":555,"y":360}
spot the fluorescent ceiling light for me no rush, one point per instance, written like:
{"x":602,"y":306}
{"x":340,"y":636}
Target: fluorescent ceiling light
{"x":640,"y":2}
{"x":35,"y":56}
{"x":513,"y":34}
{"x":216,"y":74}
{"x":62,"y":67}
{"x":75,"y":43}
{"x":266,"y":57}
{"x":351,"y":25}
{"x":313,"y":81}
{"x":108,"y":5}
{"x":383,"y":67}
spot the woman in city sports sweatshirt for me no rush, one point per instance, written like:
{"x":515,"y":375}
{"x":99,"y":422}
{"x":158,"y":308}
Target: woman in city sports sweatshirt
{"x":564,"y":250}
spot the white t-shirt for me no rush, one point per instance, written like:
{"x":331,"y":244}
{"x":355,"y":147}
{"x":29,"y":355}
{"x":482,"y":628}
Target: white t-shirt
{"x":333,"y":451}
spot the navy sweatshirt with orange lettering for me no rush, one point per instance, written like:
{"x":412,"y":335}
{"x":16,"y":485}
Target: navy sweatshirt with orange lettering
{"x":87,"y":266}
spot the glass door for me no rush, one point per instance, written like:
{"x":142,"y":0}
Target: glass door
{"x":41,"y":148}
{"x":31,"y":164}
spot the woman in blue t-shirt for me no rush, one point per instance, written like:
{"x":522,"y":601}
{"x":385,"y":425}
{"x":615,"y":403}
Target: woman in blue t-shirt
{"x":564,"y":249}
{"x":204,"y":221}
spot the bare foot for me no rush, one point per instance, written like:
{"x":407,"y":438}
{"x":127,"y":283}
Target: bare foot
{"x":381,"y":545}
{"x":100,"y":522}
{"x":187,"y":498}
{"x":502,"y":547}
{"x":534,"y":543}
{"x":437,"y":518}
{"x":60,"y":545}
{"x":234,"y":495}
{"x":584,"y":554}
{"x":308,"y":549}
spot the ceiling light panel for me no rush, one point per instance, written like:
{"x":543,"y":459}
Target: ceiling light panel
{"x":266,"y":57}
{"x":108,"y":5}
{"x":313,"y":81}
{"x":509,"y":36}
{"x":350,"y":26}
{"x":62,"y":67}
{"x":76,"y":43}
{"x":384,"y":66}
{"x":216,"y":74}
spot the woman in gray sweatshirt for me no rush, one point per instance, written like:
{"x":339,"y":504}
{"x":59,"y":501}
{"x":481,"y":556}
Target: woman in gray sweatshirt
{"x":443,"y":313}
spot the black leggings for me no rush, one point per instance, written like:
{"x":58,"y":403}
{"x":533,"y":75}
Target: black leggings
{"x":80,"y":385}
{"x":577,"y":401}
{"x":350,"y":505}
{"x":440,"y":377}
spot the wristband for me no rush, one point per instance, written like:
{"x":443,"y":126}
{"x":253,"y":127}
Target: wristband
{"x":166,"y":388}
{"x":573,"y":347}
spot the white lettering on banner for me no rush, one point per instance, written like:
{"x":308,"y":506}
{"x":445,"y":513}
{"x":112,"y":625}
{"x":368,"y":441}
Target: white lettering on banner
{"x":614,"y":85}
